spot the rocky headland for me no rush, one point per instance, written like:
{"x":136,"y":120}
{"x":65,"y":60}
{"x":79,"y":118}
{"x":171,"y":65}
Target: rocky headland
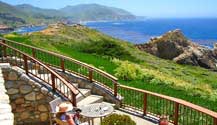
{"x":175,"y":46}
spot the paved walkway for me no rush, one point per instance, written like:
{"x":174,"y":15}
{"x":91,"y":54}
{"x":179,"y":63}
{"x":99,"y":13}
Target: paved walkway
{"x":6,"y":115}
{"x":138,"y":120}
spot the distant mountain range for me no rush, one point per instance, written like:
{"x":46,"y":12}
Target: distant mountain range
{"x":28,"y":14}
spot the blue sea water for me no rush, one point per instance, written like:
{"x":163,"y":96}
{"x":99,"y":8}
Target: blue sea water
{"x":29,"y":29}
{"x":202,"y":31}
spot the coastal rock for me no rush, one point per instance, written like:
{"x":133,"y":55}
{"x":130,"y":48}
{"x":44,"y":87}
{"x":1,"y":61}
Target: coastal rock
{"x":175,"y":46}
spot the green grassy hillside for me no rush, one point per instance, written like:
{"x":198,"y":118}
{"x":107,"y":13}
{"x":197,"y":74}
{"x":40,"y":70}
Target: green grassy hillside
{"x":27,"y":14}
{"x":9,"y":17}
{"x":191,"y":83}
{"x":96,"y":12}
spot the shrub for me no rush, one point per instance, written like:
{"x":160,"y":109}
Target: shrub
{"x":147,"y":77}
{"x":156,"y":81}
{"x":116,"y":119}
{"x":106,"y":47}
{"x":128,"y":71}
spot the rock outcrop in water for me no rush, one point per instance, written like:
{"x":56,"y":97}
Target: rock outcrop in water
{"x":175,"y":46}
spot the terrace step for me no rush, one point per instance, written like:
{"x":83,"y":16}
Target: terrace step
{"x":85,"y":92}
{"x":4,"y":106}
{"x":2,"y":88}
{"x":82,"y":99}
{"x":5,"y":110}
{"x":4,"y":99}
{"x":75,"y":85}
{"x":90,"y":99}
{"x":86,"y":98}
{"x":59,"y":86}
{"x":6,"y":116}
{"x":113,"y":105}
{"x":47,"y":77}
{"x":7,"y":122}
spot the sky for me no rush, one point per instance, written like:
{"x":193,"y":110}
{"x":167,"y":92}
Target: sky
{"x":148,"y":8}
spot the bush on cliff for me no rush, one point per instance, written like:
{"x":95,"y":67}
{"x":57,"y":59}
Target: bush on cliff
{"x":116,"y":119}
{"x":127,"y":70}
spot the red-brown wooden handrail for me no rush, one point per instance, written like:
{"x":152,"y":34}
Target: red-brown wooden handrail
{"x":176,"y":101}
{"x":52,"y":72}
{"x":172,"y":99}
{"x":64,"y":58}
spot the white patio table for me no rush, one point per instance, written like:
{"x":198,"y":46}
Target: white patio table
{"x":96,"y":110}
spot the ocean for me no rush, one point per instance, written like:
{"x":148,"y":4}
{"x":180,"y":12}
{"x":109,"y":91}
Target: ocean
{"x":29,"y":29}
{"x":201,"y":31}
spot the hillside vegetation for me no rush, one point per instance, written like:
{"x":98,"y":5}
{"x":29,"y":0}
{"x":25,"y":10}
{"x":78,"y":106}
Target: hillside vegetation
{"x":132,"y":66}
{"x":27,"y":14}
{"x":8,"y":16}
{"x":95,"y":12}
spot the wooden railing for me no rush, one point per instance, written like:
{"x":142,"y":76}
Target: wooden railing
{"x":179,"y":111}
{"x":39,"y":70}
{"x":68,"y":64}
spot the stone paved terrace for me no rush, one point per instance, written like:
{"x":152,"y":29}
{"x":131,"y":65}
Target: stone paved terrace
{"x":6,"y":115}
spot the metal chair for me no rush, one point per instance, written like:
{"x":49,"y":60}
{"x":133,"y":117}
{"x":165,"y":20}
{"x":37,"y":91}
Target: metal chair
{"x":53,"y":104}
{"x":60,"y":122}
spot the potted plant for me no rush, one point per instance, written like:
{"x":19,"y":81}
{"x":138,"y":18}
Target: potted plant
{"x":117,"y":119}
{"x":164,"y":120}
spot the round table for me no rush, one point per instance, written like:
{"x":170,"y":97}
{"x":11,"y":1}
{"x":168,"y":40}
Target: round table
{"x":96,"y":110}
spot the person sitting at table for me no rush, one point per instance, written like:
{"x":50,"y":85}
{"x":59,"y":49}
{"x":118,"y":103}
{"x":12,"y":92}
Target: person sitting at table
{"x":77,"y":116}
{"x":62,"y":114}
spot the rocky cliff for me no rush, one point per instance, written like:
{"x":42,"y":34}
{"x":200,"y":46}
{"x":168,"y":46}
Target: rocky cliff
{"x":175,"y":46}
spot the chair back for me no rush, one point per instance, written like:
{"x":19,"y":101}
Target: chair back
{"x":53,"y":104}
{"x":60,"y":122}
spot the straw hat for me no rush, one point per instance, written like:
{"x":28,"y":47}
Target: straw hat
{"x":64,"y":107}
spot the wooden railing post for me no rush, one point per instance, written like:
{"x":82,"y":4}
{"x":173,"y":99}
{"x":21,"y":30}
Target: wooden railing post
{"x":62,"y":64}
{"x":74,"y":101}
{"x":215,"y":121}
{"x":25,"y":64}
{"x":115,"y":88}
{"x":176,"y":113}
{"x":1,"y":50}
{"x":33,"y":52}
{"x":4,"y":49}
{"x":91,"y":74}
{"x":145,"y":104}
{"x":53,"y":81}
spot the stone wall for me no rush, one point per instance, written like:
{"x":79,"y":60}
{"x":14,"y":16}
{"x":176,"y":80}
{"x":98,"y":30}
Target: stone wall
{"x":29,"y":99}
